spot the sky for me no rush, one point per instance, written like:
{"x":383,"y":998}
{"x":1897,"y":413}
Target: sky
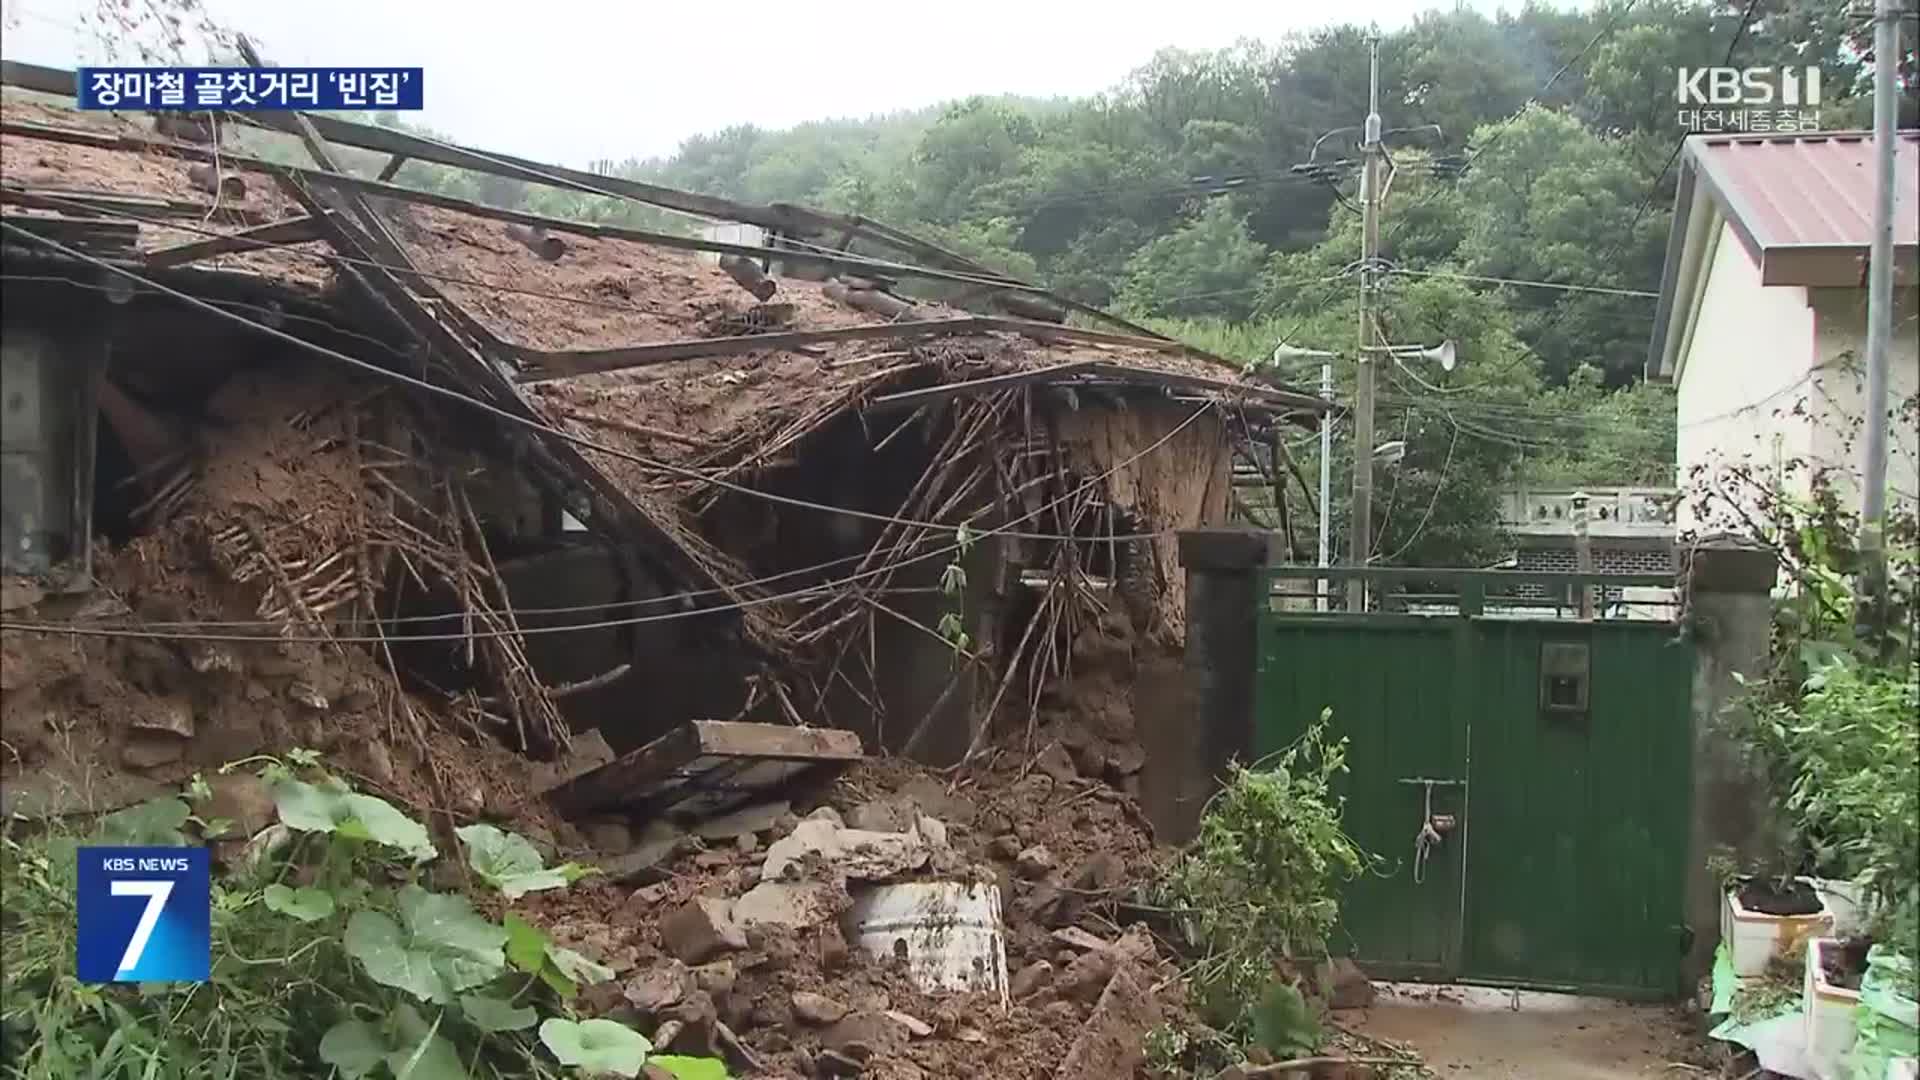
{"x":617,"y":79}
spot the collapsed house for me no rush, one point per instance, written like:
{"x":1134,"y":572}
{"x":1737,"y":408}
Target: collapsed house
{"x":296,"y":457}
{"x":548,"y":477}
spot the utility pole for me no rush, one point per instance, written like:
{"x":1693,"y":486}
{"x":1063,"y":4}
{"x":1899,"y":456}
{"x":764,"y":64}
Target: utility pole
{"x":1361,"y":532}
{"x":1873,"y":495}
{"x":1326,"y":479}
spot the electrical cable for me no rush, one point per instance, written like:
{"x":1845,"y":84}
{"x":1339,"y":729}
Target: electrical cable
{"x":1524,"y":282}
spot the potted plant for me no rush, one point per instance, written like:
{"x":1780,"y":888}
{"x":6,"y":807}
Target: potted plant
{"x":1834,"y":969}
{"x":1767,"y":912}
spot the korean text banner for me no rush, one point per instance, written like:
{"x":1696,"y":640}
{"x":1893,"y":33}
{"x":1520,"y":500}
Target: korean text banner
{"x":249,"y":89}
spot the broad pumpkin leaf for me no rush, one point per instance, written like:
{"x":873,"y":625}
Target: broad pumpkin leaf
{"x":422,"y":1054}
{"x":354,"y":1047}
{"x":307,"y":905}
{"x":691,"y":1068}
{"x":526,"y":944}
{"x":496,"y":1014}
{"x":596,"y":1046}
{"x":510,"y":863}
{"x":332,"y":807}
{"x":154,"y":823}
{"x":439,"y":947}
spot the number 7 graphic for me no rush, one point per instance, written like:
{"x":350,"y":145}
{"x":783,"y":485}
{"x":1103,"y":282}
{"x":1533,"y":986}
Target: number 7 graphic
{"x":156,"y":893}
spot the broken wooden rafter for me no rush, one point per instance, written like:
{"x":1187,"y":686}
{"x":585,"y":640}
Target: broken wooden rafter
{"x":704,"y":767}
{"x":84,"y":200}
{"x":296,"y":230}
{"x":392,"y":168}
{"x":747,"y":274}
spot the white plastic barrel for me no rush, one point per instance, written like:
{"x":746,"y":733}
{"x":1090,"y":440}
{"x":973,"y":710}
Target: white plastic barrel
{"x":949,"y":933}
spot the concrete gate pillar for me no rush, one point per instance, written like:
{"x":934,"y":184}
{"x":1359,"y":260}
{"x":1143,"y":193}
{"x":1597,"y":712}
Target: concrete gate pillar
{"x":1730,"y":611}
{"x":1225,"y":592}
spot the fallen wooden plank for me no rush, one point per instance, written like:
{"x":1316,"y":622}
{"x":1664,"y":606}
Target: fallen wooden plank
{"x":704,"y":767}
{"x":108,"y":239}
{"x":291,"y":231}
{"x":84,"y":200}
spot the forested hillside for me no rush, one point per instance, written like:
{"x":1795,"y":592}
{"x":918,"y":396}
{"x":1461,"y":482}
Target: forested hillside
{"x":1528,"y":228}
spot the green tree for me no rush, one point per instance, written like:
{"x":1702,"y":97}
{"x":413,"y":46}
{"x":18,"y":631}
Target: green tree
{"x":1209,"y":266}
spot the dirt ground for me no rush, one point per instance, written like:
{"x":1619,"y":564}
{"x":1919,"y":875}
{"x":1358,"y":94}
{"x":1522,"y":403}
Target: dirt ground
{"x":1476,"y":1032}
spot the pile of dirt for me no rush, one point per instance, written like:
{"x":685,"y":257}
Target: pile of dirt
{"x":1088,"y":977}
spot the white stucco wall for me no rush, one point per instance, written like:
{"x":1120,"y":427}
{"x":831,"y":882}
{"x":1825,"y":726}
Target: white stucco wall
{"x":1838,"y":407}
{"x":1742,"y":369}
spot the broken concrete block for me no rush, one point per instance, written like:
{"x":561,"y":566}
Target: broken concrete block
{"x":1030,"y":980}
{"x":1080,"y":940}
{"x":863,"y":1035}
{"x":826,"y":813}
{"x":932,"y":830}
{"x":817,"y":1009}
{"x":1035,"y":862}
{"x":1087,"y":976}
{"x":746,"y":821}
{"x":1114,"y":1039}
{"x":843,"y":852}
{"x":700,"y":930}
{"x":659,"y":989}
{"x":717,"y":978}
{"x":793,"y":905}
{"x":915,"y":1026}
{"x":586,"y":751}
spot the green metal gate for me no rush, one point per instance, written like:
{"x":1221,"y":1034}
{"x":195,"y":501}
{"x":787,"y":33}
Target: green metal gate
{"x":1550,"y":753}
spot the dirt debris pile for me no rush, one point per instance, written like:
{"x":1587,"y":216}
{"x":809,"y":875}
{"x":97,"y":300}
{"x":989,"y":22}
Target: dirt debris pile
{"x":776,"y":936}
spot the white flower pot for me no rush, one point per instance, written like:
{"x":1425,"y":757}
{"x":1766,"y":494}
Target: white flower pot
{"x":1754,"y":938}
{"x":1847,"y":902}
{"x":1831,"y":1025}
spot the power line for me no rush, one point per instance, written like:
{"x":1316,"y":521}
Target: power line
{"x":499,"y":413}
{"x":1527,"y":283}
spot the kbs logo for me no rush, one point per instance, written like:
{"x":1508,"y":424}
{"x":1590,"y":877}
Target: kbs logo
{"x":1749,"y":86}
{"x":144,"y":914}
{"x":1748,"y":99}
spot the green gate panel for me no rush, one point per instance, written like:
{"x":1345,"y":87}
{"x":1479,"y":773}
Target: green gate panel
{"x":1577,"y":832}
{"x":1391,"y":685}
{"x":1566,"y":868}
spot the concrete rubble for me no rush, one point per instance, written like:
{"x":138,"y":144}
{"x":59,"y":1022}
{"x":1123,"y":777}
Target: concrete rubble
{"x":797,"y":928}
